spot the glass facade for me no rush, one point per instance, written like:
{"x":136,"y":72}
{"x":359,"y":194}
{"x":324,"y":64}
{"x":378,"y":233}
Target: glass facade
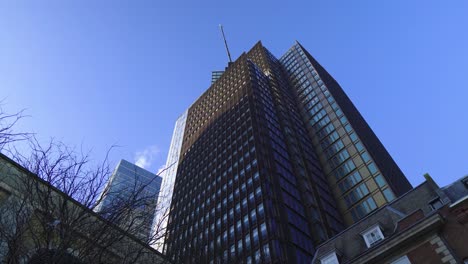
{"x":168,"y":178}
{"x":268,"y":167}
{"x":345,"y":158}
{"x":130,"y":182}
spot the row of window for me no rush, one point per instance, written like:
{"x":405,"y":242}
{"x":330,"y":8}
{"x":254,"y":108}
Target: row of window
{"x":245,"y":222}
{"x":365,"y":207}
{"x":199,"y":195}
{"x":234,"y":195}
{"x":231,"y":180}
{"x":297,"y":65}
{"x":331,"y":153}
{"x":333,"y":146}
{"x":231,"y":123}
{"x":197,"y":122}
{"x":355,"y":177}
{"x":294,"y":209}
{"x":356,"y":194}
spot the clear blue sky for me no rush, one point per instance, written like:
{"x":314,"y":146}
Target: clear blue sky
{"x":97,"y":73}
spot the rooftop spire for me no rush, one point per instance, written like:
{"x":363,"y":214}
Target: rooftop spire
{"x":225,"y":43}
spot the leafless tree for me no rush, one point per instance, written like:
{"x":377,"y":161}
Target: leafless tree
{"x":48,"y":215}
{"x":7,"y":123}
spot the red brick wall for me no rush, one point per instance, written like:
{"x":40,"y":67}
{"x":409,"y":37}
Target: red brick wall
{"x":424,"y":254}
{"x":455,"y":231}
{"x":410,"y":220}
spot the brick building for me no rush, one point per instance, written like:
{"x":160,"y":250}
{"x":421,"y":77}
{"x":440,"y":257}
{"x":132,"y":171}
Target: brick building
{"x":427,"y":225}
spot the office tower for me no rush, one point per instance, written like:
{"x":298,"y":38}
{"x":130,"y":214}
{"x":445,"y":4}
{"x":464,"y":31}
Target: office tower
{"x":258,"y":167}
{"x":353,"y":158}
{"x":131,"y":188}
{"x":168,"y":178}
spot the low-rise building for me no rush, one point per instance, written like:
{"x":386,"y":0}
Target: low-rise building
{"x":427,"y":225}
{"x":41,"y":224}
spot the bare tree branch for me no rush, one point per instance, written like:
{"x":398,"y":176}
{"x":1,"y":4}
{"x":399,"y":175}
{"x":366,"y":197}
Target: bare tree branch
{"x":49,"y":214}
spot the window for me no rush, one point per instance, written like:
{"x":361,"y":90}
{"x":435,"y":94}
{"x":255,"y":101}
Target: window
{"x":339,"y":158}
{"x":330,"y":259}
{"x":333,"y":149}
{"x":247,"y":240}
{"x":233,"y":250}
{"x":359,"y":146}
{"x":263,"y":230}
{"x":239,"y":246}
{"x":365,"y":157}
{"x":255,"y":236}
{"x":372,"y":236}
{"x":348,"y":128}
{"x":253,"y":216}
{"x":258,"y":256}
{"x":350,"y":181}
{"x":380,"y":181}
{"x":435,"y":204}
{"x":372,"y":168}
{"x":405,"y":260}
{"x":356,"y":194}
{"x":330,"y":139}
{"x":344,"y":169}
{"x":325,"y":131}
{"x":266,"y":252}
{"x":388,"y":194}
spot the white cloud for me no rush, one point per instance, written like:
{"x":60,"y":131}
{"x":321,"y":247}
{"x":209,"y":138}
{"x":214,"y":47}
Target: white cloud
{"x":145,"y":157}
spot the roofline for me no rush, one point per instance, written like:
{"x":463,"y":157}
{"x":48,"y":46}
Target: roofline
{"x":459,"y":201}
{"x":430,"y":218}
{"x":454,"y":182}
{"x":371,"y":214}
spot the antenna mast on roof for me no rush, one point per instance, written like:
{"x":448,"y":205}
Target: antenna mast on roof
{"x":225,"y":43}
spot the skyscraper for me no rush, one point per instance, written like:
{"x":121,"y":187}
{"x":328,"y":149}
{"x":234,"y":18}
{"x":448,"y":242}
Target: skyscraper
{"x":134,"y":190}
{"x":349,"y":151}
{"x":168,"y":179}
{"x":274,"y":160}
